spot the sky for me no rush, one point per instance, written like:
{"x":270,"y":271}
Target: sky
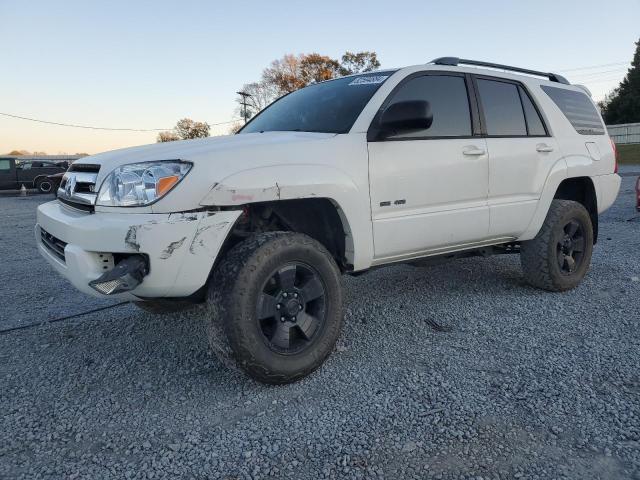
{"x":147,"y":64}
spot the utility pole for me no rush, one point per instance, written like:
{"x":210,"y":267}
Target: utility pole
{"x":245,"y":113}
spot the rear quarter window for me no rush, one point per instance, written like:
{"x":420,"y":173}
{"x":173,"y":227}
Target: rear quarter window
{"x":577,"y":108}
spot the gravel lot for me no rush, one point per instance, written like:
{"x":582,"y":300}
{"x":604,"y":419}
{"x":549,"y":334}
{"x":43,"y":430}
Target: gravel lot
{"x":517,"y":383}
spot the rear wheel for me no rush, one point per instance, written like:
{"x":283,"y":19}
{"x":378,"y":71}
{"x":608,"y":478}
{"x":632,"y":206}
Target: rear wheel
{"x":275,"y":306}
{"x":559,"y":257}
{"x":44,"y":185}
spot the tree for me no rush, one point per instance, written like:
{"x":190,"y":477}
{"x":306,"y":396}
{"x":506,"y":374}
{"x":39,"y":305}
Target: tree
{"x":316,"y":68}
{"x":167,"y":137}
{"x":358,"y":62}
{"x":188,"y":129}
{"x":622,"y":105}
{"x":293,"y":72}
{"x":185,"y":129}
{"x":260,"y":95}
{"x":19,"y":152}
{"x":284,"y":74}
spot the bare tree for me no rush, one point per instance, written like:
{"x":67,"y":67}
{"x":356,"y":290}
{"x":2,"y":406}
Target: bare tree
{"x":260,"y":95}
{"x":358,"y":62}
{"x":185,"y":129}
{"x":167,"y":137}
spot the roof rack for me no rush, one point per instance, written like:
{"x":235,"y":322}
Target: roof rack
{"x":455,"y":61}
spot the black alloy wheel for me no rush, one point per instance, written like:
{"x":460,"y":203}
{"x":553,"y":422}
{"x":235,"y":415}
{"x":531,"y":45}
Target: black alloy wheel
{"x":291,"y":308}
{"x":571,"y":247}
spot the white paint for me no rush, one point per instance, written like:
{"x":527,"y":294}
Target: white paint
{"x":447,"y":200}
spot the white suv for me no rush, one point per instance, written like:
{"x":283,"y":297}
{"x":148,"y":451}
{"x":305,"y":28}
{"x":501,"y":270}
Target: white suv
{"x":426,"y":162}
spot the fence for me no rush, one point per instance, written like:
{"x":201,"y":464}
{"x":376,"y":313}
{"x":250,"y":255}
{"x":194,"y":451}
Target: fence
{"x":625,"y":132}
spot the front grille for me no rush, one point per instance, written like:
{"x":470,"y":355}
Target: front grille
{"x":77,"y":188}
{"x":53,"y":244}
{"x":84,"y":167}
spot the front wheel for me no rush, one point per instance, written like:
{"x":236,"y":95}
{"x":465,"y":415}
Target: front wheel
{"x":275,"y":306}
{"x":558,"y":258}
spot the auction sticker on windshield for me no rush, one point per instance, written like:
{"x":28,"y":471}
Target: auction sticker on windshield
{"x":369,"y":80}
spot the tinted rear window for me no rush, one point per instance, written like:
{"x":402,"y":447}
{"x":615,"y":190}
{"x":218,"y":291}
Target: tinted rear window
{"x":578,"y":109}
{"x":502,"y":108}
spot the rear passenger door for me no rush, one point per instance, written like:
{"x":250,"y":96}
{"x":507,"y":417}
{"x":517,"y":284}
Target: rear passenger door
{"x":521,"y":153}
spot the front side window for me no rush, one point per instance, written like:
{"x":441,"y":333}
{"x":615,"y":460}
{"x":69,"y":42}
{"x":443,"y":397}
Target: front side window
{"x":5,"y":164}
{"x":503,"y":113}
{"x":578,"y":109}
{"x":330,"y":107}
{"x":449,"y":102}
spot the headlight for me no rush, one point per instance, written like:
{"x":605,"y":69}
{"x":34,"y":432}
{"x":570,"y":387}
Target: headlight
{"x":140,"y":184}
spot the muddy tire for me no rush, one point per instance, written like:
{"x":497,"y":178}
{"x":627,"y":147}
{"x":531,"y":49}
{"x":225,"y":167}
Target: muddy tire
{"x":44,"y":185}
{"x":558,"y":258}
{"x":164,"y":307}
{"x":275,"y":307}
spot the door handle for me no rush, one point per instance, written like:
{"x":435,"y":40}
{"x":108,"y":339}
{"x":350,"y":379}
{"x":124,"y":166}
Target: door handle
{"x":543,"y":148}
{"x":475,"y":151}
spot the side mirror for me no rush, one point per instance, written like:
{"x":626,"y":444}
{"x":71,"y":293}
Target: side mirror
{"x":403,"y":116}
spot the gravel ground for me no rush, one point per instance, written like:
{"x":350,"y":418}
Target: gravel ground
{"x":454,"y":371}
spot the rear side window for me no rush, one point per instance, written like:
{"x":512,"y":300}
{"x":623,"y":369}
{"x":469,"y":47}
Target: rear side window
{"x":503,"y":112}
{"x":535,"y":127}
{"x":578,"y":109}
{"x":449,"y":102}
{"x":5,"y":164}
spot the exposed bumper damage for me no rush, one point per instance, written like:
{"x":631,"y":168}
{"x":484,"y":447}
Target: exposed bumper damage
{"x":181,"y":247}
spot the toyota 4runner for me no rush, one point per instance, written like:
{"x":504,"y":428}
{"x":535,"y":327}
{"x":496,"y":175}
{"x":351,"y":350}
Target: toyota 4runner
{"x":448,"y":159}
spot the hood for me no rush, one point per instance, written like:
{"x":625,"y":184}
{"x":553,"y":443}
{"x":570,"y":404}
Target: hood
{"x":225,"y":153}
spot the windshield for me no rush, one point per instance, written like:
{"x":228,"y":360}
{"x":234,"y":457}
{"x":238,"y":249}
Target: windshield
{"x":330,"y":107}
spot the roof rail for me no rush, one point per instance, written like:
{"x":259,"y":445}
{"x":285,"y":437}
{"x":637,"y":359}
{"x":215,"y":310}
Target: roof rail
{"x":455,"y":61}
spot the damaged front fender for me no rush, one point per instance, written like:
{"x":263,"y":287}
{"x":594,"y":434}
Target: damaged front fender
{"x":182,"y":247}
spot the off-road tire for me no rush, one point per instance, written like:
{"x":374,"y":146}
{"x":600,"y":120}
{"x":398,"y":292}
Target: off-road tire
{"x":538,"y":257}
{"x":164,"y":307}
{"x":42,"y":183}
{"x":233,"y":329}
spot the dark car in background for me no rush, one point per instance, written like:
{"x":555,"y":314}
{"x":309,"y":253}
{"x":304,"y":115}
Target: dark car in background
{"x":56,"y":180}
{"x":30,"y":173}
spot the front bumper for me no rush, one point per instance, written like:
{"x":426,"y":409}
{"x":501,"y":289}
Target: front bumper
{"x":181,"y":247}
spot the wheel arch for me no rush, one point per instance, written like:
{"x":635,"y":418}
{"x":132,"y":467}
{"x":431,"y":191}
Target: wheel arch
{"x":299,"y":194}
{"x":583,"y":191}
{"x":320,"y":218}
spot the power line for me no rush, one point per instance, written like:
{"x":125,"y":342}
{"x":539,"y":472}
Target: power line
{"x":603,"y":72}
{"x":91,"y":127}
{"x":84,"y":126}
{"x":593,"y":66}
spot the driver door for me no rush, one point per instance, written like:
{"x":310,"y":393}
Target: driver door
{"x":429,"y":187}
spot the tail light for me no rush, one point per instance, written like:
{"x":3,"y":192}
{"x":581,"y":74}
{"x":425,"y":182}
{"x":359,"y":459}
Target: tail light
{"x":615,"y":155}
